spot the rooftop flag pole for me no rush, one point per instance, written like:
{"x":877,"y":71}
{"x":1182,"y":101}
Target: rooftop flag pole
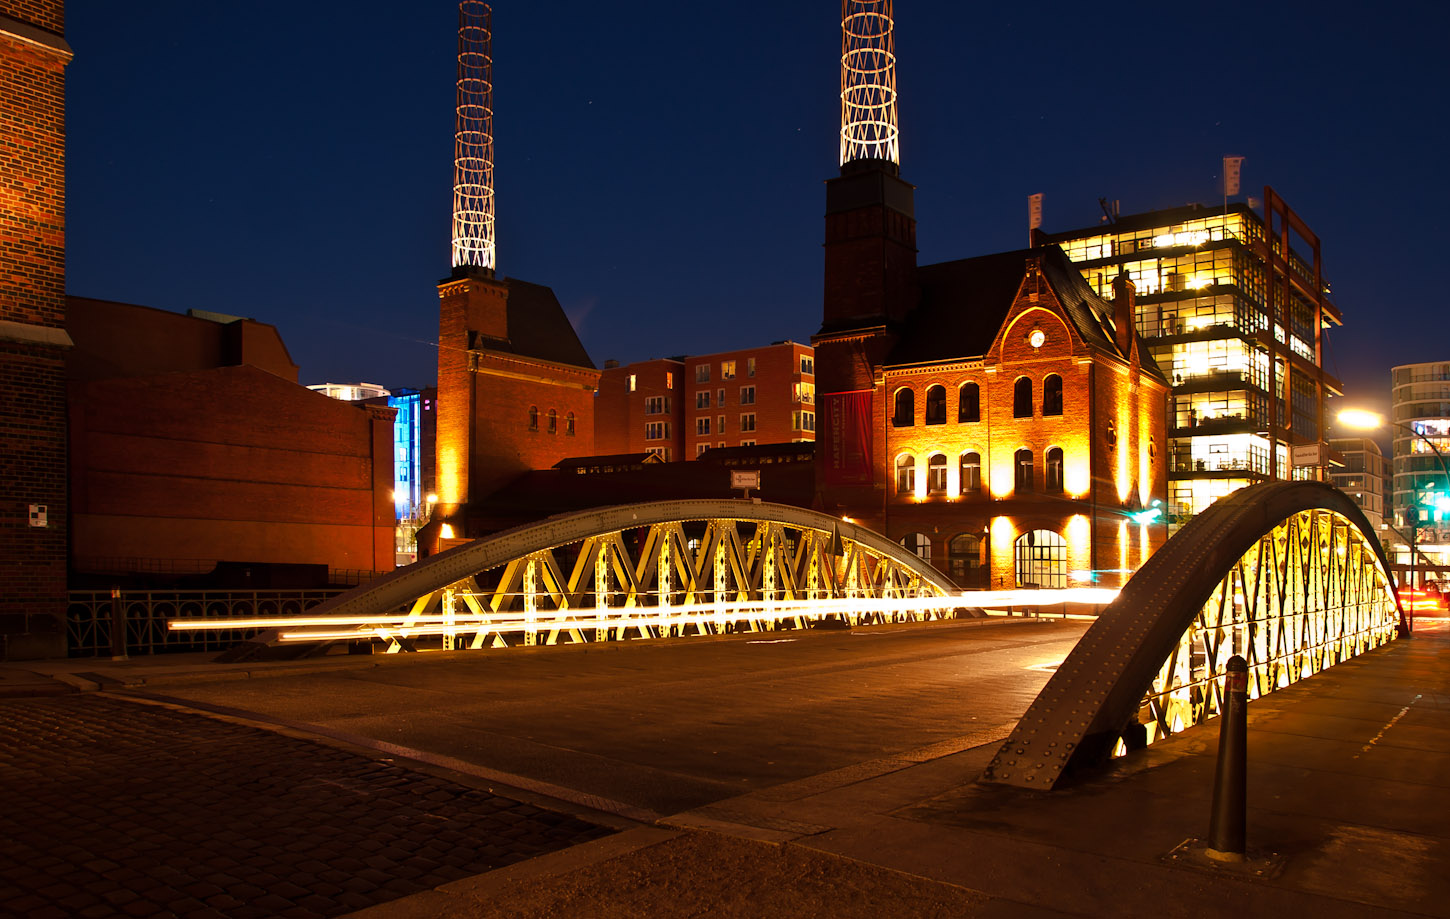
{"x":473,"y":202}
{"x":868,"y":82}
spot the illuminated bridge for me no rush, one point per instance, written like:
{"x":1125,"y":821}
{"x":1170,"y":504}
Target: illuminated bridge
{"x":1288,"y":575}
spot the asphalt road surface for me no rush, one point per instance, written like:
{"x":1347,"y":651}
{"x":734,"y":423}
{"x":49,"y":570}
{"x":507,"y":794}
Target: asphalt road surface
{"x":670,"y":725}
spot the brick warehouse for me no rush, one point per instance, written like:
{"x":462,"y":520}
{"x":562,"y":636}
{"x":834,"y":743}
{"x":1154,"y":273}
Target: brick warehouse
{"x":993,"y":414}
{"x":33,"y":341}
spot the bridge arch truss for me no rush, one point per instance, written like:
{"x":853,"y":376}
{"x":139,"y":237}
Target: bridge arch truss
{"x":1288,"y":575}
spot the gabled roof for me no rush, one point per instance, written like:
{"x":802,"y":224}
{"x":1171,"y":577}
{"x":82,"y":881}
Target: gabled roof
{"x":539,"y":328}
{"x":575,"y":463}
{"x":964,"y":303}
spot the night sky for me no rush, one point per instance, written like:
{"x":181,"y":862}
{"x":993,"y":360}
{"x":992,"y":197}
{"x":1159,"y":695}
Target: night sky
{"x":660,"y":164}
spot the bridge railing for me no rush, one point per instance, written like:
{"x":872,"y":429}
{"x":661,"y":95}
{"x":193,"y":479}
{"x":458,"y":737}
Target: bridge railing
{"x":91,"y":616}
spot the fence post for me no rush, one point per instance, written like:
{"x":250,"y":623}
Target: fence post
{"x":1230,"y":800}
{"x":118,"y":626}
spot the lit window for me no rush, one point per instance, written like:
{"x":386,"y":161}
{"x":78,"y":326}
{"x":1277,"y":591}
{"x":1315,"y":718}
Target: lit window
{"x":631,"y":382}
{"x":727,"y":370}
{"x":750,"y":366}
{"x":969,"y":402}
{"x":1023,"y":477}
{"x":1052,"y":395}
{"x":1022,"y":398}
{"x":669,"y":379}
{"x":905,"y":414}
{"x":971,"y":473}
{"x":906,"y":475}
{"x":936,"y":405}
{"x":1041,"y":557}
{"x":1052,"y":471}
{"x":936,"y":474}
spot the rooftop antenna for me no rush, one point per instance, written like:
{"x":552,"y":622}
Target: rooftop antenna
{"x":473,"y":203}
{"x":868,"y":82}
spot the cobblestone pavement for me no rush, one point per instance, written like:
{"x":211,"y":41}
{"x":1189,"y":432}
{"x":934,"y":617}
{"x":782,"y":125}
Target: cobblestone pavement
{"x":115,"y":808}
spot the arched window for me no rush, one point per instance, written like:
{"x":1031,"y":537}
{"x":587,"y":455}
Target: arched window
{"x":936,"y":474}
{"x":1022,"y":398}
{"x":533,"y":417}
{"x":906,"y":475}
{"x":553,"y":421}
{"x":1041,"y":557}
{"x":969,"y":402}
{"x":1052,"y":471}
{"x":1052,"y":395}
{"x":1022,"y":461}
{"x":971,"y":474}
{"x":905,"y":414}
{"x":936,"y":405}
{"x":917,"y":544}
{"x":1110,"y":434}
{"x":569,"y":424}
{"x":964,"y":561}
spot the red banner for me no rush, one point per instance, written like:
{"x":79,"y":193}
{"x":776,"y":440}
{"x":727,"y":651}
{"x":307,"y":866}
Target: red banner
{"x":848,"y":438}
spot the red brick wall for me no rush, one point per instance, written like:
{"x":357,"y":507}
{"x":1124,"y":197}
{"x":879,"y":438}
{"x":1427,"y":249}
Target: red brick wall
{"x":777,"y":372}
{"x":620,"y":417}
{"x":32,"y":293}
{"x":503,"y":446}
{"x":232,"y":464}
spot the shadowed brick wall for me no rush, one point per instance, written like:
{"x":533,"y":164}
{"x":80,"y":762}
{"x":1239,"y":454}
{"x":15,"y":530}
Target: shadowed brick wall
{"x":33,"y":58}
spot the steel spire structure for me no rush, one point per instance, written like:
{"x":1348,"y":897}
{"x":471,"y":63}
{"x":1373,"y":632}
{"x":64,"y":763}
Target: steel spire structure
{"x":473,"y":201}
{"x":868,"y":82}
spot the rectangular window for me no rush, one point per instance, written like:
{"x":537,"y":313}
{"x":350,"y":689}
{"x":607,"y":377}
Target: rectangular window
{"x":747,"y":422}
{"x":702,"y":427}
{"x":750,"y":366}
{"x":747,"y":395}
{"x":631,"y":382}
{"x":702,"y":398}
{"x":803,"y":421}
{"x":721,"y":428}
{"x":747,"y":443}
{"x":702,"y":373}
{"x":669,"y":379}
{"x":656,"y":405}
{"x":662,"y":452}
{"x":805,"y":393}
{"x":808,"y":365}
{"x":657,"y":430}
{"x":700,"y":448}
{"x":727,"y":370}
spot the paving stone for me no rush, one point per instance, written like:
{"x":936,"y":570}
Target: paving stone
{"x":231,"y":820}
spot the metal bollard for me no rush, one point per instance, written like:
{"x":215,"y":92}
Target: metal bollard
{"x":1230,"y":801}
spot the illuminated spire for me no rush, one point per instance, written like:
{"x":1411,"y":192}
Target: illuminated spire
{"x":868,"y":82}
{"x":473,"y":240}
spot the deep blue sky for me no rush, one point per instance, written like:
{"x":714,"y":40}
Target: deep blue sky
{"x":659,"y":164}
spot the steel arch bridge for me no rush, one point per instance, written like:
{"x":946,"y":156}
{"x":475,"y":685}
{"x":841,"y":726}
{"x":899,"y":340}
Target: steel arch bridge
{"x":641,"y":570}
{"x":1288,"y":575}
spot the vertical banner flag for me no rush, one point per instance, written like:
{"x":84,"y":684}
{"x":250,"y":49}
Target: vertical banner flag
{"x":1034,"y":211}
{"x":848,"y":438}
{"x":1231,"y":175}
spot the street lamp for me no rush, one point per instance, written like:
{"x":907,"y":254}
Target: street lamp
{"x":1369,"y":421}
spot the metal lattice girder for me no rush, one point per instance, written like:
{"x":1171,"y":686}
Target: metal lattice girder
{"x":1288,"y":575}
{"x":588,"y":576}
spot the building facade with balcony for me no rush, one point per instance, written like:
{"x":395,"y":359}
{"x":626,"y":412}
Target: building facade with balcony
{"x":1420,"y":493}
{"x":1361,"y":475}
{"x":1233,"y":305}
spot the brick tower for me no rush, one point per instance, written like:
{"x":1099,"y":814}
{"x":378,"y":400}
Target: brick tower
{"x":515,"y":386}
{"x":870,"y":257}
{"x":33,"y":341}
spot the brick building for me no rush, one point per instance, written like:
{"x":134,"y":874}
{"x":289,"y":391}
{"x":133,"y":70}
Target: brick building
{"x":996,"y":414}
{"x":191,"y":443}
{"x":677,"y":408}
{"x":33,"y":341}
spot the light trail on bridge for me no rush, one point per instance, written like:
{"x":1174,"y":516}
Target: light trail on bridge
{"x":715,"y":613}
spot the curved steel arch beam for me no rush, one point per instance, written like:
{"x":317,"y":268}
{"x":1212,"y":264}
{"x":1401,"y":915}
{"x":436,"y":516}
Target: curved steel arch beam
{"x":1082,"y":711}
{"x":449,"y":567}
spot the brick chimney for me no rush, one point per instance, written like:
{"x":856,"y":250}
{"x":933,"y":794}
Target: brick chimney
{"x":1124,"y":313}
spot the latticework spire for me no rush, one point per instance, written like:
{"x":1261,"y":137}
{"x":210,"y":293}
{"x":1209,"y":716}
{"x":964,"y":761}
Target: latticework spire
{"x":868,"y":82}
{"x":473,"y":225}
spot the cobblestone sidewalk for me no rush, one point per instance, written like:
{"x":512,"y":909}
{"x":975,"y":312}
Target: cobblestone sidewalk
{"x":113,"y":808}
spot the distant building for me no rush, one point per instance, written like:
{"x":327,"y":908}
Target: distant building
{"x":1362,"y":476}
{"x":677,"y":408}
{"x":350,"y":392}
{"x":1233,"y":305}
{"x":1420,"y":401}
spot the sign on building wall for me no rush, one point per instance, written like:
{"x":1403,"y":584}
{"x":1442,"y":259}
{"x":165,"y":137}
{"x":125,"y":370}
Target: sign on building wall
{"x":848,"y":438}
